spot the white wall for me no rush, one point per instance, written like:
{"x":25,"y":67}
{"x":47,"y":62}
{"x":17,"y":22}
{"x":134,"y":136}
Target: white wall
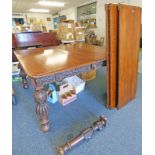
{"x":100,"y":16}
{"x":135,"y":2}
{"x":38,"y":16}
{"x":101,"y":21}
{"x":70,"y":13}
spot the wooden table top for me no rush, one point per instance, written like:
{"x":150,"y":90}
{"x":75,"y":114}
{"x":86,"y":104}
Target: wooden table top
{"x":46,"y":61}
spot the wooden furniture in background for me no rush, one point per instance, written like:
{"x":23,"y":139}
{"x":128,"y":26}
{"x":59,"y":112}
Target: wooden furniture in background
{"x":123,"y":24}
{"x":14,"y":59}
{"x":26,"y":39}
{"x":50,"y":64}
{"x":33,"y":39}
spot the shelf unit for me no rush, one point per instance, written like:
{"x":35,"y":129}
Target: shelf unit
{"x":86,"y":15}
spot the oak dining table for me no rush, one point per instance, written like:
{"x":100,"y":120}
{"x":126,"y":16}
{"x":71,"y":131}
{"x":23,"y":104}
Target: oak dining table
{"x":52,"y":64}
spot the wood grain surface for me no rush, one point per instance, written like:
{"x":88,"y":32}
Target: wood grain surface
{"x":112,"y":53}
{"x":50,"y":60}
{"x":27,"y":39}
{"x":129,"y":39}
{"x":122,"y":45}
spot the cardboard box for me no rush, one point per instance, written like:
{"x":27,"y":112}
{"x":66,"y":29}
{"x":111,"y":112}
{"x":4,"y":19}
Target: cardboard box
{"x":66,"y":31}
{"x":80,"y":34}
{"x":67,"y":94}
{"x":78,"y":83}
{"x":90,"y":75}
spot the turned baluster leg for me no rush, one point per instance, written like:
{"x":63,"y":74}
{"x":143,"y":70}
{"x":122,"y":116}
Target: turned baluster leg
{"x":24,"y":79}
{"x":42,"y":109}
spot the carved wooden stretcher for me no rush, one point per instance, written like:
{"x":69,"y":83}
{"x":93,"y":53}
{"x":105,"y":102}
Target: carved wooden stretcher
{"x":46,"y":65}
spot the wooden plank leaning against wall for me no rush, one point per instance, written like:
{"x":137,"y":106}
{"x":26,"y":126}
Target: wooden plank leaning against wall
{"x":122,"y":45}
{"x":111,"y":48}
{"x":128,"y":54}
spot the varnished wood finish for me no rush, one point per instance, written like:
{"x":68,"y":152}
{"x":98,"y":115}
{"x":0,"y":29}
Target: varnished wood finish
{"x":42,"y":108}
{"x":24,"y":79}
{"x":32,"y":39}
{"x":129,"y":39}
{"x":48,"y":64}
{"x":24,"y":40}
{"x":107,"y":49}
{"x":14,"y":59}
{"x":14,"y":45}
{"x":84,"y":135}
{"x":38,"y":62}
{"x":111,"y":48}
{"x":122,"y":46}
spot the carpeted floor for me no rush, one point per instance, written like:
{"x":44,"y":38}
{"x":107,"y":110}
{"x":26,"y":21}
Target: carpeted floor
{"x":122,"y":136}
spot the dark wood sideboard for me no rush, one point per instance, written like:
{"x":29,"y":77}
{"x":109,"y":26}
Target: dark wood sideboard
{"x":33,"y":39}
